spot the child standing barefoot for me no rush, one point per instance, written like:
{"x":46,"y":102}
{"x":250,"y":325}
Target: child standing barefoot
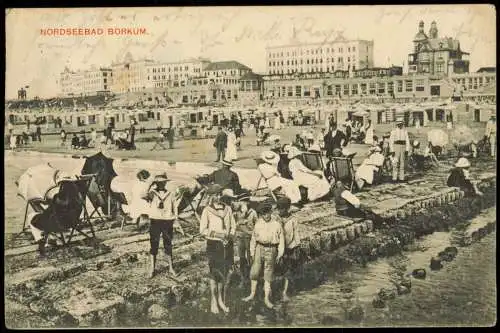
{"x":290,"y":264}
{"x":245,"y":221}
{"x":219,"y":227}
{"x":266,"y":248}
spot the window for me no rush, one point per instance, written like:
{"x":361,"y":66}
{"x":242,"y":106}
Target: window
{"x":381,"y":87}
{"x":290,"y":91}
{"x":354,"y":89}
{"x":409,"y":86}
{"x":372,"y":88}
{"x":419,"y":85}
{"x":354,"y":49}
{"x":390,"y":87}
{"x":439,"y":68}
{"x":346,"y":89}
{"x":298,"y":91}
{"x":329,"y":90}
{"x":400,"y":86}
{"x":337,"y":89}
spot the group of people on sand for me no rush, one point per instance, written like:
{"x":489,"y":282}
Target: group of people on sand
{"x":227,"y":143}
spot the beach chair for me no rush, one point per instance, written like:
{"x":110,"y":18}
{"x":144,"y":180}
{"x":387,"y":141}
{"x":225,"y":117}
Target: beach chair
{"x":313,"y":161}
{"x":261,"y":183}
{"x":73,"y":220}
{"x":342,"y":169}
{"x":187,"y":203}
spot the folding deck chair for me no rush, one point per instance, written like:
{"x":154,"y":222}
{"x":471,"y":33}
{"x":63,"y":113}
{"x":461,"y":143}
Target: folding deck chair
{"x":187,"y":205}
{"x":73,"y":221}
{"x":342,"y":169}
{"x":313,"y":161}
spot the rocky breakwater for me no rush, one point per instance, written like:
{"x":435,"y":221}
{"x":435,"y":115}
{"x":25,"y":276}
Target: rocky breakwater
{"x":111,"y":289}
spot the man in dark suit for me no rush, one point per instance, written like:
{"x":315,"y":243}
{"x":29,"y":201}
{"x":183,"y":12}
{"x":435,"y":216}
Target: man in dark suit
{"x":220,"y":144}
{"x":334,"y":139}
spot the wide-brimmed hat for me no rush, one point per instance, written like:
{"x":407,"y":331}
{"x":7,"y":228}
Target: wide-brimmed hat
{"x":283,"y":203}
{"x":244,"y":197}
{"x":162,"y":177}
{"x":415,"y":143}
{"x":315,"y":148}
{"x":143,"y":174}
{"x":64,"y":176}
{"x":227,"y":163}
{"x":462,"y":163}
{"x":214,"y":189}
{"x":399,"y":121}
{"x":270,"y":157}
{"x":293,"y":152}
{"x":264,"y":207}
{"x":375,"y":149}
{"x":337,"y":152}
{"x":228,"y":193}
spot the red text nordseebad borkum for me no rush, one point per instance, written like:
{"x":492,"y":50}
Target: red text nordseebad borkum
{"x":92,"y":31}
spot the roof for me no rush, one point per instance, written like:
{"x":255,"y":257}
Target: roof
{"x":251,"y":76}
{"x":487,"y":70}
{"x":420,"y":36}
{"x":231,"y":64}
{"x":446,"y":43}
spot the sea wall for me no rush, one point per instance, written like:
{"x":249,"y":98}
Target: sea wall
{"x":102,"y":291}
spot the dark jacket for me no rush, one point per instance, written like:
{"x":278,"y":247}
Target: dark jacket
{"x":226,"y":178}
{"x":221,"y":140}
{"x":333,"y":142}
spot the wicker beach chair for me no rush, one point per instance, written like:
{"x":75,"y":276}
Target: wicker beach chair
{"x":342,"y":169}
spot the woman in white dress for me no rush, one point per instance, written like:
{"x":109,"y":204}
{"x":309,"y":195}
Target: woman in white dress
{"x":269,"y":170}
{"x":366,"y":171}
{"x":369,"y":133}
{"x":315,"y":182}
{"x":277,"y":122}
{"x":231,"y":153}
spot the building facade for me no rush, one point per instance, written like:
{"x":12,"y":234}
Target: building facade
{"x":95,"y":81}
{"x":436,"y":56}
{"x":219,"y":83}
{"x":328,"y":86}
{"x":130,"y":75}
{"x":175,"y":74}
{"x":340,"y":54}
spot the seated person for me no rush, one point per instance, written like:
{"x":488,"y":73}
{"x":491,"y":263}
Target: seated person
{"x":274,"y":180}
{"x":283,"y":168}
{"x":314,"y":181}
{"x":460,"y":177}
{"x":227,"y":178}
{"x":346,"y":203}
{"x":277,"y":147}
{"x":75,"y":142}
{"x":365,"y":173}
{"x":299,"y":142}
{"x":421,"y":156}
{"x":83,"y":142}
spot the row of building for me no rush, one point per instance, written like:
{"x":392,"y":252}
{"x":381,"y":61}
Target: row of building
{"x":341,"y":68}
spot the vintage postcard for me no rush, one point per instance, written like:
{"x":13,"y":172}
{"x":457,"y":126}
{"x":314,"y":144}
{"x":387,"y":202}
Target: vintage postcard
{"x":293,"y":166}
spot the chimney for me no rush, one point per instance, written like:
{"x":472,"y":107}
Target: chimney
{"x":433,"y":31}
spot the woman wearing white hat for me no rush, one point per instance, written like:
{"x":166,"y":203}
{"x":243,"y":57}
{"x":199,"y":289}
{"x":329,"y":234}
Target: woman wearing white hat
{"x":275,"y":182}
{"x":460,"y":177}
{"x":315,"y":182}
{"x":366,"y":171}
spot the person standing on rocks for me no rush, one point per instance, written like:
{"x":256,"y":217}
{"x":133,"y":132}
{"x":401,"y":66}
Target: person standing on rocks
{"x":399,"y":146}
{"x":245,"y":221}
{"x":266,"y":248}
{"x":218,"y":226}
{"x":220,"y":144}
{"x":163,"y":214}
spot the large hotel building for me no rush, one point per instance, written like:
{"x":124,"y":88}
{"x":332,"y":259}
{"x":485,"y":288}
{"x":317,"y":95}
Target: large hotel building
{"x":340,"y":54}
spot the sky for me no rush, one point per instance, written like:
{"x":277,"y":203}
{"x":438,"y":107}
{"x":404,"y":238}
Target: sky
{"x":225,"y":33}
